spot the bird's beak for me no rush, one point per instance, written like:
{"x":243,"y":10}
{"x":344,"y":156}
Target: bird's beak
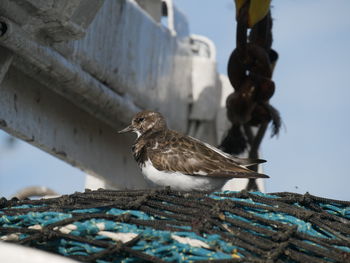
{"x":127,"y":129}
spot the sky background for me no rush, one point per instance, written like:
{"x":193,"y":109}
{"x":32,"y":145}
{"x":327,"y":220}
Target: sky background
{"x":312,"y":94}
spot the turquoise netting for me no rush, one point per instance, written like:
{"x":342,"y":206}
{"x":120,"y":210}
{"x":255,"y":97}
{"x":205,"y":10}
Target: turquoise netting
{"x":169,"y":226}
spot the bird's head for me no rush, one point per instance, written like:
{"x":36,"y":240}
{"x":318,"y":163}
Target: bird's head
{"x":146,"y":121}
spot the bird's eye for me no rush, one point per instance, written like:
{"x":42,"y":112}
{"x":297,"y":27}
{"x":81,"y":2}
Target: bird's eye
{"x":140,"y":119}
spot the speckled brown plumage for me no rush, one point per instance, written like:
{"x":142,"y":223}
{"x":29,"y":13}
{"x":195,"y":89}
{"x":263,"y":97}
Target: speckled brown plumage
{"x":171,"y":151}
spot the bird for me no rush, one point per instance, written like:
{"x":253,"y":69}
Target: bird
{"x":170,"y":158}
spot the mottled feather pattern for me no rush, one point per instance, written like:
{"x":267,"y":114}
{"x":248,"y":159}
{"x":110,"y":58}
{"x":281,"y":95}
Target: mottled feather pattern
{"x":169,"y":158}
{"x":179,"y":153}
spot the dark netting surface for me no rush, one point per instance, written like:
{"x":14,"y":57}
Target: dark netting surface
{"x":170,"y":226}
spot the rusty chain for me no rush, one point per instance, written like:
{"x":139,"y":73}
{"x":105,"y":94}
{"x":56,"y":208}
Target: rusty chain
{"x":250,"y":69}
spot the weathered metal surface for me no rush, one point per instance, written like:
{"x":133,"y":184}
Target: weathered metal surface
{"x":206,"y":90}
{"x":152,"y":8}
{"x":6,"y":57}
{"x":37,"y":115}
{"x":68,"y":79}
{"x":137,"y":57}
{"x":137,"y":62}
{"x":52,"y":20}
{"x":177,"y":21}
{"x":69,"y":98}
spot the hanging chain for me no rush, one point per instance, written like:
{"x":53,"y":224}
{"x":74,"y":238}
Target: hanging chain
{"x":250,"y":69}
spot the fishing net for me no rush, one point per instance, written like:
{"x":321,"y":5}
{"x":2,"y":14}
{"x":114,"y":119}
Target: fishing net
{"x":171,"y":226}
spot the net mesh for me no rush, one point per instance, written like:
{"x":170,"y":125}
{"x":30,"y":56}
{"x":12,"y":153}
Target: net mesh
{"x":171,"y":226}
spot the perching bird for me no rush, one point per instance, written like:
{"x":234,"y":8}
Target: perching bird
{"x":169,"y":158}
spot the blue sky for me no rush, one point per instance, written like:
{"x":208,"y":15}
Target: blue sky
{"x":312,"y":93}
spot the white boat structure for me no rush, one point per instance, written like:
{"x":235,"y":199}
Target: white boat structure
{"x":72,"y":72}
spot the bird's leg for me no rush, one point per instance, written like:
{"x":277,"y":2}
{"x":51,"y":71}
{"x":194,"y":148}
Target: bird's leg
{"x":254,"y":154}
{"x":248,"y":133}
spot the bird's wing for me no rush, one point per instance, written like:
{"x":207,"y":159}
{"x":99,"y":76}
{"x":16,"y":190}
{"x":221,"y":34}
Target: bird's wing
{"x":238,"y":161}
{"x":192,"y":157}
{"x":247,"y":161}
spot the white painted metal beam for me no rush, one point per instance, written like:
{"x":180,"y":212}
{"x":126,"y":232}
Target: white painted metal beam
{"x":66,"y":78}
{"x":34,"y":113}
{"x":138,"y":58}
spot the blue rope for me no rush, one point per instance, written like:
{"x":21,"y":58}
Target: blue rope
{"x":160,"y":243}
